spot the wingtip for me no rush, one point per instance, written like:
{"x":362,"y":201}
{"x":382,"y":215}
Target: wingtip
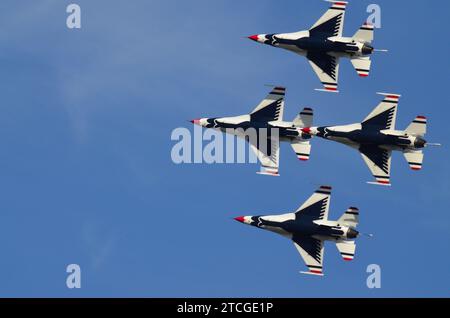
{"x":327,"y":90}
{"x":271,"y":174}
{"x":313,"y":274}
{"x":344,"y":3}
{"x":390,"y":95}
{"x":379,"y":183}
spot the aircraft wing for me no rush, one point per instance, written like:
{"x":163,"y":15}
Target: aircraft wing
{"x":271,"y":108}
{"x":327,"y":69}
{"x":268,"y":155}
{"x":312,"y":251}
{"x":317,"y":206}
{"x":384,"y":115}
{"x":379,"y":162}
{"x":332,"y":22}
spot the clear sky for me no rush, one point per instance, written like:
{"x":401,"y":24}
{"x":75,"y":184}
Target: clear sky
{"x":86,"y":173}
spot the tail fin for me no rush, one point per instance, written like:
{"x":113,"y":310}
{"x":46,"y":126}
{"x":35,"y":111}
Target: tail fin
{"x":347,"y":250}
{"x":365,"y":33}
{"x":418,"y":127}
{"x":350,"y":217}
{"x":302,"y":149}
{"x":414,"y":159}
{"x":304,"y":119}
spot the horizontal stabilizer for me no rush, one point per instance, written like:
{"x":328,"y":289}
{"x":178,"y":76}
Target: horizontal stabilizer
{"x":304,"y":119}
{"x":365,"y":33}
{"x":418,"y":127}
{"x":350,"y":217}
{"x":362,"y":65}
{"x":302,"y":149}
{"x":347,"y":250}
{"x":414,"y":159}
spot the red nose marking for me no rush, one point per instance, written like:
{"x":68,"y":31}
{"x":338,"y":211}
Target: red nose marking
{"x":195,"y":121}
{"x":254,"y":37}
{"x":306,"y":130}
{"x":240,"y":219}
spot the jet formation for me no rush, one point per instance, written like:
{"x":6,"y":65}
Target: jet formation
{"x":324,"y":45}
{"x":375,"y":138}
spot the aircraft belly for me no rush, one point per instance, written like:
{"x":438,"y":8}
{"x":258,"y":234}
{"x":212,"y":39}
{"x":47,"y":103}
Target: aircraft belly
{"x":294,"y":49}
{"x":277,"y":230}
{"x":343,"y":140}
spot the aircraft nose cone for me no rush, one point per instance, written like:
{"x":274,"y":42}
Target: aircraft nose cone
{"x":254,"y":37}
{"x":195,"y":121}
{"x":306,"y":130}
{"x":240,"y":219}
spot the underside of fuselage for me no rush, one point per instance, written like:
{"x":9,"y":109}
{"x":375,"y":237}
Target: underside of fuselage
{"x":367,"y":137}
{"x":300,"y":227}
{"x":261,"y":129}
{"x":313,"y":45}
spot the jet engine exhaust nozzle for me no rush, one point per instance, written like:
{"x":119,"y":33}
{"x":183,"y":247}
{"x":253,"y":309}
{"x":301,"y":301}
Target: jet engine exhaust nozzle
{"x":420,"y":143}
{"x":367,"y":49}
{"x":352,"y":234}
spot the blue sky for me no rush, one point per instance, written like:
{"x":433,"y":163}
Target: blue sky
{"x":86,"y":174}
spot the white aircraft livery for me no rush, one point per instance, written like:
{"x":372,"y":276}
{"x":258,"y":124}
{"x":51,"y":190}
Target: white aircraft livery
{"x":308,"y":227}
{"x":324,"y":45}
{"x":376,"y":137}
{"x":264,"y":129}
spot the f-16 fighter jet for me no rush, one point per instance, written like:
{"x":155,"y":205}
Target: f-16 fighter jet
{"x":264,"y":129}
{"x":376,"y":137}
{"x":324,"y":45}
{"x":309,"y":227}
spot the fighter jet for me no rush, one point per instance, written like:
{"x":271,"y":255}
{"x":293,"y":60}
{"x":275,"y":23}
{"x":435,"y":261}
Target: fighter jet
{"x":308,"y":227}
{"x":264,"y":129}
{"x":376,"y":137}
{"x":323,"y":45}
